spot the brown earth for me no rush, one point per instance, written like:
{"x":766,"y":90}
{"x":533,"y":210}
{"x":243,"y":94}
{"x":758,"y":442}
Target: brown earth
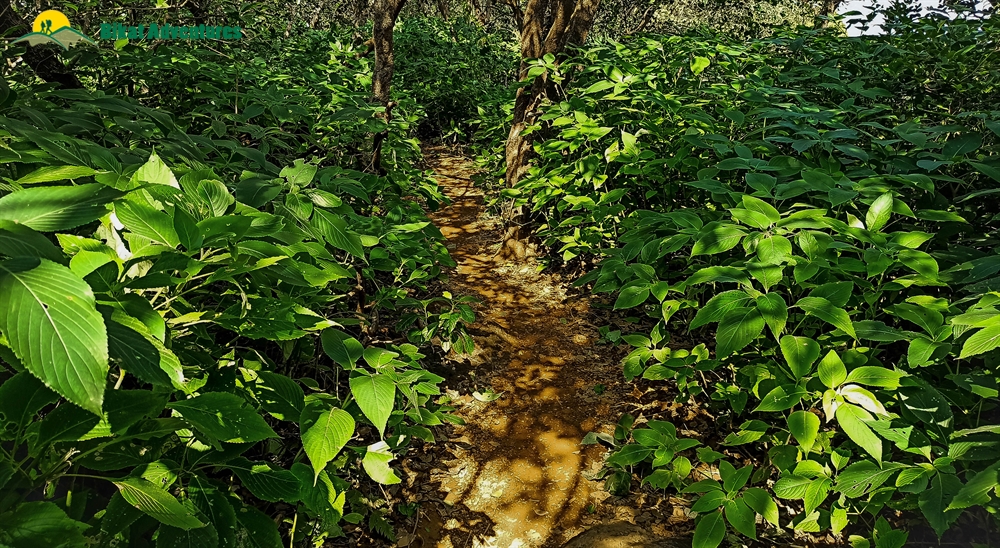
{"x":514,"y":475}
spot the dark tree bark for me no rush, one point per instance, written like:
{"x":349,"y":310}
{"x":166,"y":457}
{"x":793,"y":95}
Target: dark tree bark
{"x":828,"y":9}
{"x":548,"y":27}
{"x":43,"y":60}
{"x":385,"y":14}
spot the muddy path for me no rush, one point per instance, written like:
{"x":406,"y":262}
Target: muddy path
{"x":513,"y":475}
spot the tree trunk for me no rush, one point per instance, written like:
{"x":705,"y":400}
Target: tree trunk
{"x":571,"y":21}
{"x":42,"y":60}
{"x":386,"y":12}
{"x":829,"y":9}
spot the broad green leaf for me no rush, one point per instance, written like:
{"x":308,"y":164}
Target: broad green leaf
{"x":977,"y":491}
{"x":49,"y":174}
{"x":341,"y":347}
{"x":175,"y":537}
{"x":864,"y":477}
{"x":852,"y":420}
{"x":709,"y":531}
{"x":21,"y":398}
{"x":760,"y":206}
{"x":157,"y":503}
{"x":780,"y":399}
{"x":982,"y":341}
{"x":49,"y":317}
{"x":632,"y":296}
{"x":711,"y":500}
{"x":717,"y":307}
{"x":804,"y":427}
{"x":266,"y":481}
{"x":774,"y":311}
{"x":741,"y":517}
{"x":826,"y":311}
{"x":774,"y":249}
{"x":717,"y":239}
{"x":375,"y":395}
{"x":324,"y":434}
{"x":148,"y":222}
{"x":254,"y":528}
{"x":791,"y":487}
{"x":879,"y":212}
{"x":762,"y":503}
{"x":135,"y":350}
{"x":737,"y":329}
{"x":186,"y":227}
{"x":630,"y":454}
{"x":699,"y":64}
{"x":224,"y":417}
{"x":279,"y":395}
{"x":800,"y":354}
{"x":20,"y":241}
{"x":215,"y":507}
{"x":156,"y":172}
{"x":376,"y":464}
{"x":40,"y":524}
{"x":875,"y":376}
{"x":334,"y":231}
{"x":920,"y":262}
{"x":931,"y":502}
{"x":52,"y":208}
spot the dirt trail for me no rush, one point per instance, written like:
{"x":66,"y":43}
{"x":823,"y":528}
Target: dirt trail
{"x":514,"y":476}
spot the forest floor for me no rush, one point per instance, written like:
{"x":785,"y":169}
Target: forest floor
{"x":515,"y":474}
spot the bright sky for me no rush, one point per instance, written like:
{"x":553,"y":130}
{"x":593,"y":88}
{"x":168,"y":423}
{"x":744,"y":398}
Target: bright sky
{"x":864,"y":7}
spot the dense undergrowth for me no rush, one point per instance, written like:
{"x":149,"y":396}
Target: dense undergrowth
{"x":252,"y":314}
{"x":242,"y":302}
{"x":824,"y":210}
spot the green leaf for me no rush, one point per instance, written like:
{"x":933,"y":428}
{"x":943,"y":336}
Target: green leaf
{"x":376,"y":464}
{"x":962,"y":145}
{"x":20,"y":241}
{"x":175,"y":537}
{"x":255,"y":529}
{"x":279,"y":395}
{"x":629,"y":454}
{"x":875,"y":376}
{"x":325,"y":434}
{"x":157,"y":503}
{"x":49,"y":317}
{"x":717,"y":239}
{"x":864,"y":477}
{"x":156,"y":172}
{"x":711,"y":500}
{"x":804,"y":427}
{"x":145,"y":221}
{"x":266,"y":481}
{"x":852,"y":420}
{"x":741,"y":517}
{"x":632,"y":296}
{"x":977,"y":491}
{"x":21,"y":398}
{"x":762,"y":503}
{"x":778,"y":399}
{"x":224,"y":417}
{"x":872,"y":330}
{"x":375,"y":395}
{"x":791,"y":487}
{"x":699,"y":64}
{"x":52,"y":208}
{"x":717,"y":307}
{"x":709,"y":531}
{"x":826,"y":311}
{"x":737,"y":329}
{"x":981,"y":341}
{"x":134,"y":349}
{"x":186,"y":227}
{"x":40,"y":524}
{"x":931,"y":502}
{"x":341,"y":347}
{"x":800,"y":353}
{"x":774,"y":311}
{"x":49,"y":174}
{"x":334,"y":231}
{"x":752,"y":203}
{"x":214,"y":506}
{"x":879,"y":212}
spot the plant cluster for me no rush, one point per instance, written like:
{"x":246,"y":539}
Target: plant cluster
{"x":214,"y":316}
{"x":820,"y":211}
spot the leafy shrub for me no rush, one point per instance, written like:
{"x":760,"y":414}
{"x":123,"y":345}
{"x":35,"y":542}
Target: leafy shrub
{"x":818,"y":207}
{"x":181,"y":316}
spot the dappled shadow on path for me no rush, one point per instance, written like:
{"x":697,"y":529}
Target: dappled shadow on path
{"x":512,"y":476}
